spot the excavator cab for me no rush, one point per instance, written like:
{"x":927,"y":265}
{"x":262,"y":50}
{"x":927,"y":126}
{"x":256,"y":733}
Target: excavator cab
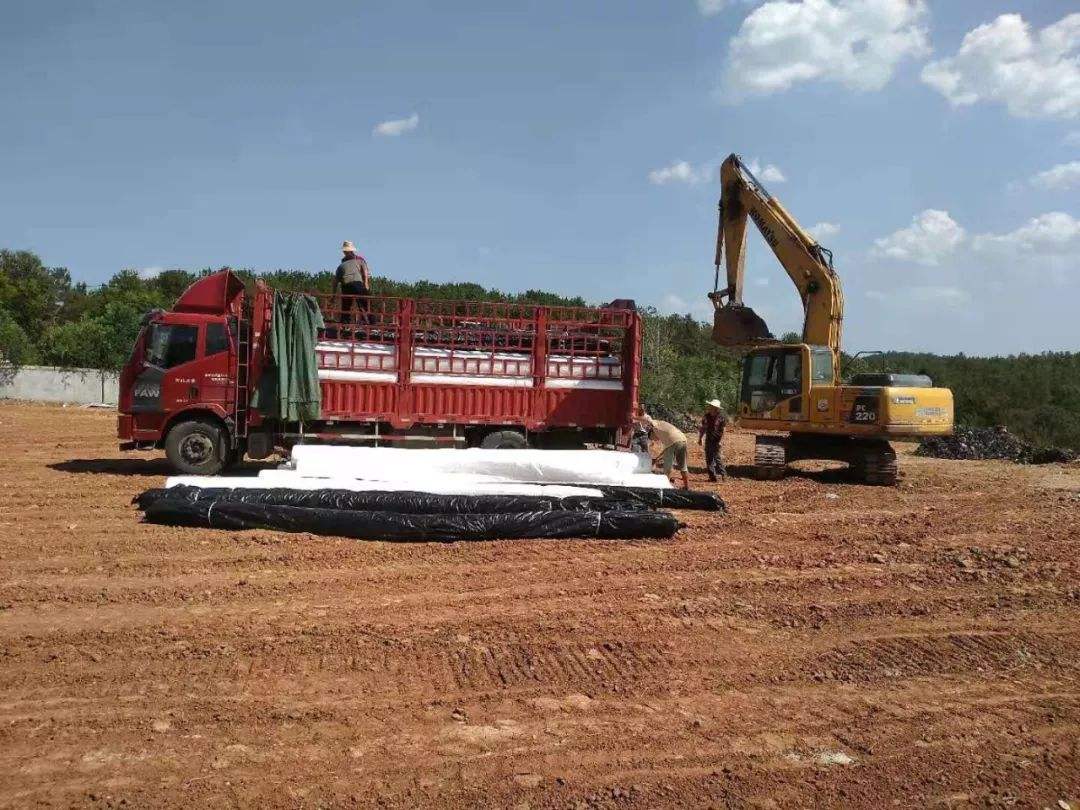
{"x":774,"y":383}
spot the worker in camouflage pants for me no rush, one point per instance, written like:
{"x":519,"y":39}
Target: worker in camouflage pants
{"x":712,"y":431}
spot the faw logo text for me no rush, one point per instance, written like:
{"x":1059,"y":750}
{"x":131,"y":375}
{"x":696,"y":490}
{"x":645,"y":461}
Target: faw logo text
{"x":147,"y":391}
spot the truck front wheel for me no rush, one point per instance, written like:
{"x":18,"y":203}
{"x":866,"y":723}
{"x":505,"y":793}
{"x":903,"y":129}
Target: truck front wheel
{"x":197,"y":448}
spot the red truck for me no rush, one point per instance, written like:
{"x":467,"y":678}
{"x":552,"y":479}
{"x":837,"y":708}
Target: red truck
{"x":487,"y":374}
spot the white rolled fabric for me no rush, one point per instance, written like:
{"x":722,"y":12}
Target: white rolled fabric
{"x":608,"y":467}
{"x":286,"y":479}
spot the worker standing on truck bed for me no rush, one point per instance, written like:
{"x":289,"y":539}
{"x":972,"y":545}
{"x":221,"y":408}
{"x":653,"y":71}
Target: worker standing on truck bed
{"x":673,"y":442}
{"x":712,"y":431}
{"x":353,"y":277}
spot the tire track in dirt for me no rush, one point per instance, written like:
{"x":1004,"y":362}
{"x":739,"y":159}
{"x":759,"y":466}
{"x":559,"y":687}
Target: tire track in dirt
{"x":949,"y":653}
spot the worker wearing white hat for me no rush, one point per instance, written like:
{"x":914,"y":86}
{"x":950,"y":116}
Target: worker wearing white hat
{"x":712,"y":431}
{"x":353,"y":277}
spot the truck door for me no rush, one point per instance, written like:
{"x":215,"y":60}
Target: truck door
{"x":215,"y":370}
{"x":168,"y":382}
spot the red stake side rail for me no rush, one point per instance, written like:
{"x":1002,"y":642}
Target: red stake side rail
{"x":408,"y":362}
{"x":393,"y":368}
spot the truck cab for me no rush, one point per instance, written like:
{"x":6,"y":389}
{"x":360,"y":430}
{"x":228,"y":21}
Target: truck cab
{"x":181,"y":375}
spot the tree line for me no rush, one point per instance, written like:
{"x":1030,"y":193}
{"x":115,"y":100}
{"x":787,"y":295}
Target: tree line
{"x":47,"y":319}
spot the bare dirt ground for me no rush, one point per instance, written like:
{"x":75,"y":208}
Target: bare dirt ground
{"x":824,"y":644}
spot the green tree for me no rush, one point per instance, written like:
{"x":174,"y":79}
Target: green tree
{"x":16,"y":349}
{"x":32,"y":293}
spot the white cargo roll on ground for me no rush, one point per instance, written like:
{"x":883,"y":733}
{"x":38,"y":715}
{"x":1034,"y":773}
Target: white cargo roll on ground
{"x":460,"y":481}
{"x":289,"y":480}
{"x":525,"y":466}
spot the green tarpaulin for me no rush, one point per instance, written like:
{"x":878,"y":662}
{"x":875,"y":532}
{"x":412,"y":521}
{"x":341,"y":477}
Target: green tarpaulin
{"x":290,"y":391}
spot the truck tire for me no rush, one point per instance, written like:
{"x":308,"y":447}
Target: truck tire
{"x":197,"y":447}
{"x":504,"y":440}
{"x":770,"y":457}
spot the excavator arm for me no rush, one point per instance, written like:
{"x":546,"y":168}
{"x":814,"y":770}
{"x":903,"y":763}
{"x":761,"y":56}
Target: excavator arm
{"x":807,"y":264}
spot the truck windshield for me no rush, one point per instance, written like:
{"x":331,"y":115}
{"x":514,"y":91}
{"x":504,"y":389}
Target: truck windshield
{"x":169,"y":345}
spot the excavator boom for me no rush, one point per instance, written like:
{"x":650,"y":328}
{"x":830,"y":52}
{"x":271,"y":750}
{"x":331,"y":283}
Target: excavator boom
{"x":808,"y":265}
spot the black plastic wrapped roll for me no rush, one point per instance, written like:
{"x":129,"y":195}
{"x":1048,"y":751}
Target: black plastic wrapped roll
{"x":669,"y":498}
{"x":370,"y":525}
{"x":415,"y":503}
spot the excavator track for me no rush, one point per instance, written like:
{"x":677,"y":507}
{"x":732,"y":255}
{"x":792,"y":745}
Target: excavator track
{"x":770,"y":457}
{"x":876,"y":464}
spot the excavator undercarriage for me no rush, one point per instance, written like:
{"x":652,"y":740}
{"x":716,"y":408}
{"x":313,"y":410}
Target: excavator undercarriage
{"x":871,"y":461}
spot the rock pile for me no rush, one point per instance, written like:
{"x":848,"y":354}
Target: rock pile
{"x":991,"y":443}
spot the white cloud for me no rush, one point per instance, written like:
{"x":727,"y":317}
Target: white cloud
{"x":679,"y":172}
{"x":938,"y":295}
{"x":673,"y":304}
{"x":1033,"y":75}
{"x":768,"y":173}
{"x":931,"y":237}
{"x":147,"y":273}
{"x":823,"y":230}
{"x":1052,"y":234}
{"x":396,"y":126}
{"x":858,"y":43}
{"x":923,"y":297}
{"x":1058,"y":178}
{"x":710,"y":8}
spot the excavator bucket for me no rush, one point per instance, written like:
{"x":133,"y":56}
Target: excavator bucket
{"x":737,"y":324}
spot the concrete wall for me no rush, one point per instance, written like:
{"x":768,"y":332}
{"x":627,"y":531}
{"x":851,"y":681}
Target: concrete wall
{"x":85,"y":386}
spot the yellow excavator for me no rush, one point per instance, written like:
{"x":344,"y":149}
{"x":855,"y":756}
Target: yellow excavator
{"x":794,"y":390}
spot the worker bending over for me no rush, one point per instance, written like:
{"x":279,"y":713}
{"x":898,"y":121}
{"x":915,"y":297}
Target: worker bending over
{"x":673,"y":442}
{"x":354,"y":279}
{"x":712,"y":431}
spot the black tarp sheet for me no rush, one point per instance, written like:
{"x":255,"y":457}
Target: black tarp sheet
{"x":669,"y":498}
{"x":369,"y":525}
{"x":417,"y":503}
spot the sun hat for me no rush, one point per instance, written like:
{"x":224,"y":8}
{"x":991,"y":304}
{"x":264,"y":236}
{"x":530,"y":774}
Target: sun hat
{"x":715,"y":403}
{"x":347,"y":247}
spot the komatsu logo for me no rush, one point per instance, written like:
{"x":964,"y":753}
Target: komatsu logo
{"x":766,"y":231}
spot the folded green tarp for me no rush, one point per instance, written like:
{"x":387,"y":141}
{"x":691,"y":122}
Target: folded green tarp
{"x":290,"y":391}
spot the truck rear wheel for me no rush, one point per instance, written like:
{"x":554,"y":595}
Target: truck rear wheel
{"x":504,"y":440}
{"x":197,"y":447}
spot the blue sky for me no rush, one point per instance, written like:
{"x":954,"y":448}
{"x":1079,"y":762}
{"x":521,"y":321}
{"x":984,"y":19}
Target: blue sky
{"x":936,"y":143}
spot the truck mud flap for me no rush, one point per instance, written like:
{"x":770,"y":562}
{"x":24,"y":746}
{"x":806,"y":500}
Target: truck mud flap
{"x":397,"y":526}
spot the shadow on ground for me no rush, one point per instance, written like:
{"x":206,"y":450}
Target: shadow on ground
{"x":833,"y":475}
{"x":141,"y":466}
